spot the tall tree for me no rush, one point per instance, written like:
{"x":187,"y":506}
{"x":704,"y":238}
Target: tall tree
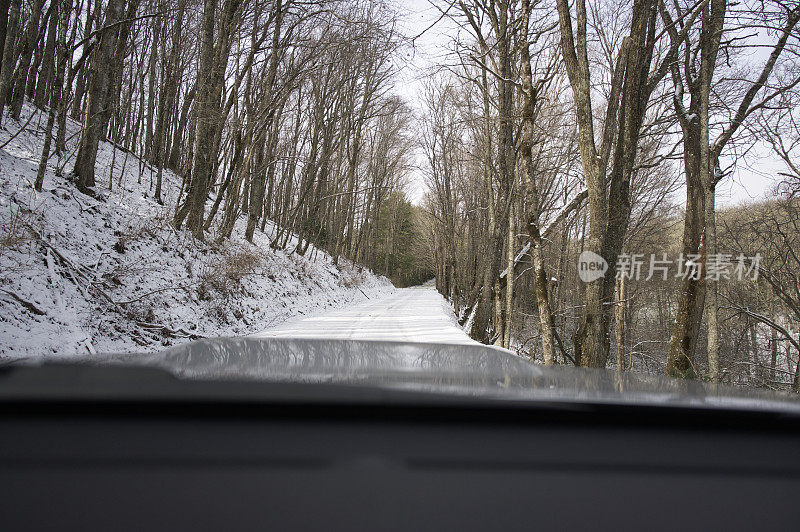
{"x":702,"y":164}
{"x":214,"y":53}
{"x":95,"y":116}
{"x":608,"y":187}
{"x":7,"y":65}
{"x":27,"y":48}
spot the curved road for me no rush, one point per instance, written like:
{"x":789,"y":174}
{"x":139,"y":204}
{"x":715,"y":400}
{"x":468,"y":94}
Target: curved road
{"x":417,"y":314}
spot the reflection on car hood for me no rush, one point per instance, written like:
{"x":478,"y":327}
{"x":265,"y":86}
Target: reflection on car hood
{"x":472,"y":370}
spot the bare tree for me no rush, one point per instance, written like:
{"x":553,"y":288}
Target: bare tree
{"x":608,"y":187}
{"x":100,"y":77}
{"x":695,"y":74}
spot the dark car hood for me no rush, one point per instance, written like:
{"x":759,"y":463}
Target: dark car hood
{"x":475,"y":371}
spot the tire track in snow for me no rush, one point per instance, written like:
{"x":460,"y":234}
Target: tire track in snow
{"x":417,"y":314}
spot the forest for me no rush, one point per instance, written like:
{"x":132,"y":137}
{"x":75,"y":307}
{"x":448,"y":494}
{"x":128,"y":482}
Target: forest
{"x":564,"y":128}
{"x":545,"y":133}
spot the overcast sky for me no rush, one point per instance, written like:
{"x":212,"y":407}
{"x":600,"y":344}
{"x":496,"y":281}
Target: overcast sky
{"x":428,"y":51}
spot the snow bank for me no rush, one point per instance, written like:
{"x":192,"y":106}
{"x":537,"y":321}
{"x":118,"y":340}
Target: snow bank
{"x":81,"y":275}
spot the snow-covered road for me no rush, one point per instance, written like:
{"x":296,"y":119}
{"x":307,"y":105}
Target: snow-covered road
{"x":417,"y":314}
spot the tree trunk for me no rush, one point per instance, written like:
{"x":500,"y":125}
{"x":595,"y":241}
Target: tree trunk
{"x":509,"y":282}
{"x":268,"y":130}
{"x":80,"y":82}
{"x":95,"y":121}
{"x":28,"y":44}
{"x":6,"y":70}
{"x":680,"y":353}
{"x":530,"y":101}
{"x":609,"y":195}
{"x":174,"y":159}
{"x":4,"y":15}
{"x":213,"y":62}
{"x":167,"y":101}
{"x":54,"y":97}
{"x":699,"y":164}
{"x":773,"y":348}
{"x":196,"y":194}
{"x":49,"y":58}
{"x":711,"y":303}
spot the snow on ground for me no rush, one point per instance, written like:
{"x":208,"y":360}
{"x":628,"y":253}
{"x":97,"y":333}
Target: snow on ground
{"x":79,"y":274}
{"x":418,"y":314}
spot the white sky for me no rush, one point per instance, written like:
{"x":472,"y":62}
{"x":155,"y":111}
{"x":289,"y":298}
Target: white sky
{"x":428,"y":51}
{"x":751,"y":181}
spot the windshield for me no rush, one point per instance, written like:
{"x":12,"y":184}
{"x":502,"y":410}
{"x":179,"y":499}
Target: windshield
{"x":502,"y":196}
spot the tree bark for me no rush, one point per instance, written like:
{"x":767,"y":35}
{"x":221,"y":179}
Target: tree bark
{"x":28,"y":44}
{"x":529,"y":108}
{"x":6,"y":70}
{"x":509,"y":282}
{"x":268,"y":129}
{"x":609,"y":195}
{"x":168,"y":96}
{"x":619,"y":328}
{"x":54,"y":96}
{"x":213,"y":62}
{"x":5,"y":6}
{"x":95,"y":116}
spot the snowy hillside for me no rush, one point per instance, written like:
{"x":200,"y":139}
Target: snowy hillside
{"x":80,"y":275}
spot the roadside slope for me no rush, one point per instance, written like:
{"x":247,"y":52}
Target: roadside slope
{"x":79,"y":274}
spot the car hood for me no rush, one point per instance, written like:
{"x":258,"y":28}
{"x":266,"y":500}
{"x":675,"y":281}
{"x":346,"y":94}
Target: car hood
{"x":476,"y":371}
